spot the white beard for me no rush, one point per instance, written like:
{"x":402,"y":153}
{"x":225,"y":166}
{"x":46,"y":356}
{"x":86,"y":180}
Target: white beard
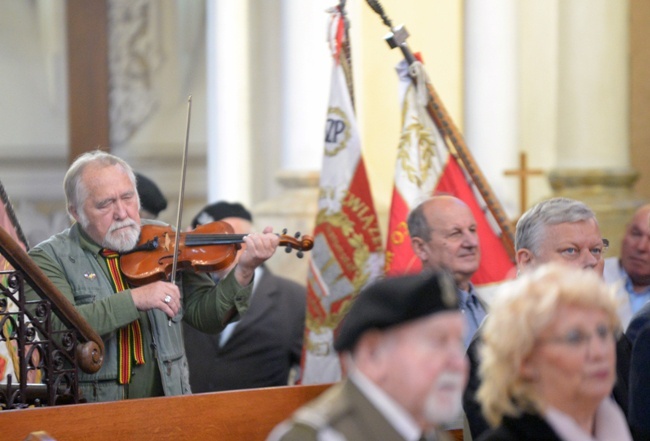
{"x":445,"y":400}
{"x":125,"y":239}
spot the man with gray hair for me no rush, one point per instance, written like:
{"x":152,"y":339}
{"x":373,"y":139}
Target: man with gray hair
{"x":556,"y":230}
{"x":559,"y":229}
{"x":141,"y":326}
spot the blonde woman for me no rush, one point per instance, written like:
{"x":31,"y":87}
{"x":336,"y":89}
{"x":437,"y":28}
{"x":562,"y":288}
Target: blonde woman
{"x":549,"y":359}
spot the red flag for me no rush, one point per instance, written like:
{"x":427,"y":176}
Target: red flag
{"x":425,"y":167}
{"x":347,"y":251}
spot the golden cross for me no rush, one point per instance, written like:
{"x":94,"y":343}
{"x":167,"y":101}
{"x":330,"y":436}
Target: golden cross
{"x":523,"y":172}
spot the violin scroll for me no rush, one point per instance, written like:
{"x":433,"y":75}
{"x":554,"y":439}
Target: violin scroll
{"x":297,"y":242}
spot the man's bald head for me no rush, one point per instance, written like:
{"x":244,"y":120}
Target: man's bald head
{"x":444,"y":237}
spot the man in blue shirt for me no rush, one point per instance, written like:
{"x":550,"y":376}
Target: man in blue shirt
{"x":444,"y":237}
{"x":631,"y":272}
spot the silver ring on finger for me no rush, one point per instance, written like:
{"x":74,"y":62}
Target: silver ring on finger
{"x":168,"y":298}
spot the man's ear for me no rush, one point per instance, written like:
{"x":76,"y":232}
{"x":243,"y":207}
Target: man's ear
{"x":73,"y":212}
{"x":371,"y":353}
{"x":418,"y":247}
{"x":369,"y":344}
{"x":524,"y":258}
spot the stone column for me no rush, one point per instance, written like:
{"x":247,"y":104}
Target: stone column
{"x":491,"y":101}
{"x":305,"y":82}
{"x":228,"y":98}
{"x":306,"y":68}
{"x":593,"y":122}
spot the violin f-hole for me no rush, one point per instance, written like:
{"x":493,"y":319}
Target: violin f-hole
{"x":161,"y":260}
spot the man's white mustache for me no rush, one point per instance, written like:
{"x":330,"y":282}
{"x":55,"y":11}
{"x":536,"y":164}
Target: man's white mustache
{"x":122,"y":224}
{"x":450,"y":380}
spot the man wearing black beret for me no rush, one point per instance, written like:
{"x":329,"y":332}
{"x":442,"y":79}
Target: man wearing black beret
{"x":402,"y":346}
{"x":152,"y":201}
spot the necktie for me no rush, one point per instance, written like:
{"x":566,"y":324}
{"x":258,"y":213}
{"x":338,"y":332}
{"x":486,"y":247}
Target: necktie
{"x":474,"y":309}
{"x":129,"y":338}
{"x":474,"y":315}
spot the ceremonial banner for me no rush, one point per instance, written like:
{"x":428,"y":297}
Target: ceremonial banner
{"x":347,"y":251}
{"x":425,"y":167}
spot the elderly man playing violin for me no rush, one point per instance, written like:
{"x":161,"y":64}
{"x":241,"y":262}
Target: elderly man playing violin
{"x":141,"y":326}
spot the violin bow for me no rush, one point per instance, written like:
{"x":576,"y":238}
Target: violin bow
{"x":181,"y":192}
{"x":181,"y":195}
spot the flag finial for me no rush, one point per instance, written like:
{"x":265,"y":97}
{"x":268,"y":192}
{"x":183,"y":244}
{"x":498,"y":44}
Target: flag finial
{"x":378,"y":8}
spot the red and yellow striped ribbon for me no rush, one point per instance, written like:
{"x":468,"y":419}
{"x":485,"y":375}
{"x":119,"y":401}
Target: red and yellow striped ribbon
{"x":129,"y":338}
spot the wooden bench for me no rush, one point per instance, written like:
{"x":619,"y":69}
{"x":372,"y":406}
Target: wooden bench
{"x":237,"y":415}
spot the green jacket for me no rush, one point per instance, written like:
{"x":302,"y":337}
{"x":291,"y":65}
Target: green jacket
{"x":341,"y":413}
{"x":72,"y":262}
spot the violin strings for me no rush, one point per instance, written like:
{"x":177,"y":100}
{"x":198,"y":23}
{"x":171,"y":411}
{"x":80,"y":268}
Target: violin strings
{"x":213,"y":239}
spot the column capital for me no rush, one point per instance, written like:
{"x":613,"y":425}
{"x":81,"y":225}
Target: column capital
{"x":578,"y":180}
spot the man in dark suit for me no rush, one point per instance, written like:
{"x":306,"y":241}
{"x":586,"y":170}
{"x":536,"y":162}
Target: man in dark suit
{"x":639,"y":399}
{"x":264,"y":347}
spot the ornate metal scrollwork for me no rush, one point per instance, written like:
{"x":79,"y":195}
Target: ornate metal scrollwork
{"x":38,"y":351}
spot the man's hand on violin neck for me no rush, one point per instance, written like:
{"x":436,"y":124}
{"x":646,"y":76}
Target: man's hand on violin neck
{"x":161,"y":295}
{"x":259,"y":247}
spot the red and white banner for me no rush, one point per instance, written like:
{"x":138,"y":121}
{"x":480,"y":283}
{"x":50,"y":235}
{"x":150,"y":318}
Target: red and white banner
{"x":425,"y":167}
{"x":347,"y":251}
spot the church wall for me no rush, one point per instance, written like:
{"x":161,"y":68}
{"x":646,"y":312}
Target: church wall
{"x":538,"y":50}
{"x":33,"y":132}
{"x":435,"y":28}
{"x":33,"y":115}
{"x":176,"y":65}
{"x":640,"y":93}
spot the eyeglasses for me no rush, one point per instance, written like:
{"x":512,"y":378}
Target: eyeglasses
{"x":577,"y":338}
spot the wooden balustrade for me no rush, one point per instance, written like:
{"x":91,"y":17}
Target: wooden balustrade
{"x":225,"y":416}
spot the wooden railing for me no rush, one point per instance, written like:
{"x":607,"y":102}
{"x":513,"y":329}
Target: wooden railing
{"x":225,"y":416}
{"x":87,"y":347}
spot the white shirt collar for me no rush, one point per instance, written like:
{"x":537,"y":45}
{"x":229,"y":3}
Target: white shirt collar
{"x":258,"y":275}
{"x":609,"y":424}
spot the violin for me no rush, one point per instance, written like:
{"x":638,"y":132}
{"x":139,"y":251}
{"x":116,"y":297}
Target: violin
{"x":209,"y":247}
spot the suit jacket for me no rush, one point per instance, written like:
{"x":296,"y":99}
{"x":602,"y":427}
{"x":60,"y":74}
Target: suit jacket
{"x":639,"y":411}
{"x":341,"y":410}
{"x":266,"y":342}
{"x":615,"y":276}
{"x":471,"y":406}
{"x":527,"y":427}
{"x":640,"y":319}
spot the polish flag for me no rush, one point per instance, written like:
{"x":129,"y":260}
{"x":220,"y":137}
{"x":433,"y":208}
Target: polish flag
{"x":347,"y":252}
{"x":425,"y":167}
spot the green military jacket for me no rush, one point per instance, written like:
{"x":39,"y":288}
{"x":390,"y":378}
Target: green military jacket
{"x":72,"y":262}
{"x":341,"y":413}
